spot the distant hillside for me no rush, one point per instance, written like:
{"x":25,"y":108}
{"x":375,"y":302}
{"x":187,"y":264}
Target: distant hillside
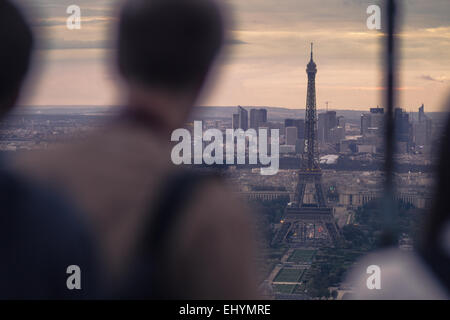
{"x":61,"y":110}
{"x":279,"y":114}
{"x":273,"y":113}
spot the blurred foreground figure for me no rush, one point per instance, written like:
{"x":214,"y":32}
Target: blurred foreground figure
{"x":424,"y":274}
{"x":164,"y":232}
{"x":40,"y":236}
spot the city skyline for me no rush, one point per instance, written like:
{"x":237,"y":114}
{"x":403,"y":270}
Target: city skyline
{"x":264,"y":57}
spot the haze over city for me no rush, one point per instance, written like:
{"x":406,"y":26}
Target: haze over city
{"x":264,"y":61}
{"x":311,"y":165}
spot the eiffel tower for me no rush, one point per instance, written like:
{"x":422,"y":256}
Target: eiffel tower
{"x":308,"y":220}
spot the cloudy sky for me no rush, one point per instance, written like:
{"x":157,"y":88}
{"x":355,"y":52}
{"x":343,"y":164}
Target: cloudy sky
{"x":264,"y":62}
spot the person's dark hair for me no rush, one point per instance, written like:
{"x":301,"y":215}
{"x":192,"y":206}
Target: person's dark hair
{"x":169,"y":43}
{"x":16,"y":47}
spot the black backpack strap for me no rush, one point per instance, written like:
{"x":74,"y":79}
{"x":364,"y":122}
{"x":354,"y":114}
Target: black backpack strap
{"x":175,"y":196}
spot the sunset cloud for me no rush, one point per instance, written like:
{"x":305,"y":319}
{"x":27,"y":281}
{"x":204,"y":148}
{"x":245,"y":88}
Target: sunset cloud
{"x":268,"y":48}
{"x":441,"y":79}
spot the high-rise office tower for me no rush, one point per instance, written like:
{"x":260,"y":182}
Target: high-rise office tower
{"x":422,"y":115}
{"x":299,"y":124}
{"x":240,"y":119}
{"x":291,"y":135}
{"x":377,"y":120}
{"x":243,"y":118}
{"x":402,"y":125}
{"x":341,"y":122}
{"x":422,"y":129}
{"x":258,"y":117}
{"x":235,"y":121}
{"x":321,"y":124}
{"x":403,"y":131}
{"x":327,"y":121}
{"x":365,"y":123}
{"x":373,"y":122}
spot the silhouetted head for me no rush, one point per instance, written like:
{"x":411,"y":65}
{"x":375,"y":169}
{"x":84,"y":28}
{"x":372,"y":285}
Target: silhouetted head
{"x":169,"y":45}
{"x":15,"y":54}
{"x":436,"y":239}
{"x":440,"y":215}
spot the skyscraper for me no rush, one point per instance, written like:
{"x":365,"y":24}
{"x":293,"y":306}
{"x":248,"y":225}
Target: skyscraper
{"x":243,"y":118}
{"x":365,"y":123}
{"x":291,"y":135}
{"x":240,"y":119}
{"x":402,"y":130}
{"x":258,"y":117}
{"x":402,"y":125}
{"x":327,"y":121}
{"x":235,"y":121}
{"x":299,"y":124}
{"x":422,"y":129}
{"x":373,"y":122}
{"x":377,"y":120}
{"x":422,"y":115}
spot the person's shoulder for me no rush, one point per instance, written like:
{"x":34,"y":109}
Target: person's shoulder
{"x":42,"y":235}
{"x":393,"y":274}
{"x":33,"y":203}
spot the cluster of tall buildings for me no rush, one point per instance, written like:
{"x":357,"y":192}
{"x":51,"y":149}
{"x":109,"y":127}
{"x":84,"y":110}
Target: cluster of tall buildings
{"x":330,"y":128}
{"x":258,"y":118}
{"x":422,"y":130}
{"x":294,"y":136}
{"x":372,"y":122}
{"x":410,"y":135}
{"x":294,"y":130}
{"x":240,"y":119}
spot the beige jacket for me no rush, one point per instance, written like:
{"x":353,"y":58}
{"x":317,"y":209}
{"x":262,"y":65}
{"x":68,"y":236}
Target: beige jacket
{"x":114,"y":177}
